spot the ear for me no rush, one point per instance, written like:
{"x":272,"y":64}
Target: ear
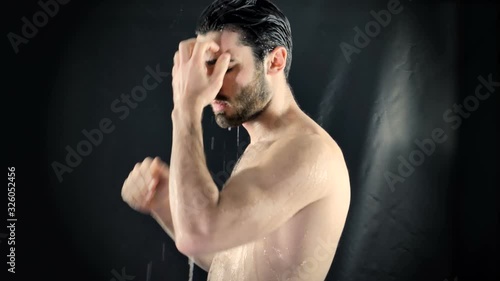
{"x":276,"y":60}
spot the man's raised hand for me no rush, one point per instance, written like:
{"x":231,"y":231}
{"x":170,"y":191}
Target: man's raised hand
{"x":192,"y":85}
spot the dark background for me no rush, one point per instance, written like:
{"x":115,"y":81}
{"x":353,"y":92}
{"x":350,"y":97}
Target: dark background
{"x":440,"y":223}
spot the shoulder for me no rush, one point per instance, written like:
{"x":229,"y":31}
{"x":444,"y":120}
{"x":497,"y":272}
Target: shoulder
{"x":312,"y":160}
{"x":309,"y":143}
{"x":313,"y":150}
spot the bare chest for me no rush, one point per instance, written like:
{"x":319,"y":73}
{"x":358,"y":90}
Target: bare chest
{"x":281,"y":255}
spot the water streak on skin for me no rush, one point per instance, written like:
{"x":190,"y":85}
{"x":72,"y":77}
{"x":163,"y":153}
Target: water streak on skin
{"x":268,"y":261}
{"x":278,"y":252}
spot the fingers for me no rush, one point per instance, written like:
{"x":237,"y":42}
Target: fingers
{"x":129,"y":193}
{"x":155,"y":170}
{"x":176,"y":64}
{"x":145,"y":172}
{"x":157,"y":167}
{"x":186,"y":49}
{"x":176,"y":58}
{"x":137,"y":182}
{"x":135,"y":202}
{"x":138,"y":188}
{"x":220,"y":69}
{"x":194,"y":49}
{"x":190,"y":65}
{"x":201,"y":48}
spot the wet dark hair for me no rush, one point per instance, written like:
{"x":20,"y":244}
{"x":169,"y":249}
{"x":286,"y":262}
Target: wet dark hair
{"x":261,"y":25}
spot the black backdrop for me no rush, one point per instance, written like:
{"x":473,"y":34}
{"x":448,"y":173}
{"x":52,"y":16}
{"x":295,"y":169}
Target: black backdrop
{"x":423,"y":175}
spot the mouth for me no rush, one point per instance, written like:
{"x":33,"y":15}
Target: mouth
{"x":219,"y":105}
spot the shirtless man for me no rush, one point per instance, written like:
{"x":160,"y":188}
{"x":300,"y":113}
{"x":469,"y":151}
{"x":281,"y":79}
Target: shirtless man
{"x":281,"y":213}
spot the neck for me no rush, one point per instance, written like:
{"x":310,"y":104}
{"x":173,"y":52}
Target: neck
{"x":277,"y":115}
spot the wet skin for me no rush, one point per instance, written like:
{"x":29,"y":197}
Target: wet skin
{"x":282,"y":212}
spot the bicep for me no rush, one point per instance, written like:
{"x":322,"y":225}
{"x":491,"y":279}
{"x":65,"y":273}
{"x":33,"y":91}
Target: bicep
{"x":258,"y":200}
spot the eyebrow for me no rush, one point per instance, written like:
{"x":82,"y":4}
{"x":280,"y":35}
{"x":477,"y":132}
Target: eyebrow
{"x":213,"y":61}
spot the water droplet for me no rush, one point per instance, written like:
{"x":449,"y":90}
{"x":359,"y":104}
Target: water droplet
{"x":163,"y":252}
{"x":238,"y":136}
{"x":148,"y":271}
{"x":229,"y":129}
{"x":278,"y":252}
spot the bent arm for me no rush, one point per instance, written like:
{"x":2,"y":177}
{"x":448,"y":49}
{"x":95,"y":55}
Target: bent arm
{"x":192,"y":189}
{"x":256,"y":201}
{"x":291,"y":175}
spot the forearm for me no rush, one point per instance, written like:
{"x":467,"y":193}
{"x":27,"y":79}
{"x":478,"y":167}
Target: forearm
{"x":192,"y":190}
{"x":163,"y":217}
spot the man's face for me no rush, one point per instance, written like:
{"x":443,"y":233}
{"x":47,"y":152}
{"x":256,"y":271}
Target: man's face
{"x":245,"y":91}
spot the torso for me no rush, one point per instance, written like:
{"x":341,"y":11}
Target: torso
{"x":301,"y":249}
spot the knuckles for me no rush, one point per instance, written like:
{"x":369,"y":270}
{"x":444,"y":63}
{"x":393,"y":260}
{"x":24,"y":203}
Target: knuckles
{"x":186,"y":43}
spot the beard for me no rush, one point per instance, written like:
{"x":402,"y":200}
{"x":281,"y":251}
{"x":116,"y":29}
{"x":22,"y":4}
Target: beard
{"x":247,"y":105}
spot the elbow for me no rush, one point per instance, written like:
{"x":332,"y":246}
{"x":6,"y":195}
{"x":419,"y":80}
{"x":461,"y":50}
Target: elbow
{"x":196,"y":237}
{"x":194,"y":241}
{"x":191,"y":245}
{"x":184,"y":246}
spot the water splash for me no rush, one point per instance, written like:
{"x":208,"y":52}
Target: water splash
{"x":191,"y":269}
{"x":148,"y":271}
{"x":163,"y":252}
{"x":237,"y":141}
{"x":238,"y":136}
{"x":224,"y":157}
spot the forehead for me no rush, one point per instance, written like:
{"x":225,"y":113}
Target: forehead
{"x":229,"y":41}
